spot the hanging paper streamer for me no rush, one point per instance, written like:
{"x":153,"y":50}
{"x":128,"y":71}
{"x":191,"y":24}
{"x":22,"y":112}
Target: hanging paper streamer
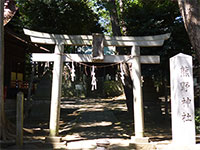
{"x":94,"y":80}
{"x":46,"y":65}
{"x":73,"y":72}
{"x":122,"y":74}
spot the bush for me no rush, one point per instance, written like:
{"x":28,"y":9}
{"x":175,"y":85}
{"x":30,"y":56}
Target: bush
{"x":113,"y":88}
{"x":197,"y":120}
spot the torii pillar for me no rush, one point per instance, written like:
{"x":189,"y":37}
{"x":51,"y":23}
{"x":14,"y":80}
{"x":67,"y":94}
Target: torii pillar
{"x":56,"y":90}
{"x":137,"y":98}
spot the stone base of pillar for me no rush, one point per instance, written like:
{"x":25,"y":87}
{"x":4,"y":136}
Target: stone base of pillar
{"x":102,"y":145}
{"x":56,"y":142}
{"x":141,"y":143}
{"x":139,"y":139}
{"x":142,"y":146}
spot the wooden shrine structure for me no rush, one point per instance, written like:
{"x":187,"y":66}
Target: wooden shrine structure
{"x":97,"y":41}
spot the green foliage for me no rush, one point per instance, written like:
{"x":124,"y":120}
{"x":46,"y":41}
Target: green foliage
{"x":150,"y":17}
{"x":103,"y":8}
{"x":197,"y":120}
{"x":157,"y":17}
{"x":99,"y":8}
{"x":69,"y":17}
{"x":154,"y":17}
{"x":113,"y":88}
{"x":69,"y":89}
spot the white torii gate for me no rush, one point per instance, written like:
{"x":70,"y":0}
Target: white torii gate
{"x":58,"y":58}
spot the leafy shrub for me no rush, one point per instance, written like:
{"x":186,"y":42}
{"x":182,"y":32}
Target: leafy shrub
{"x":113,"y":88}
{"x":197,"y":120}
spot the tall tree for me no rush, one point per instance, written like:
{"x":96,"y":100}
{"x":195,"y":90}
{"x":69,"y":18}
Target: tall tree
{"x":114,"y":18}
{"x":190,"y":10}
{"x":115,"y":9}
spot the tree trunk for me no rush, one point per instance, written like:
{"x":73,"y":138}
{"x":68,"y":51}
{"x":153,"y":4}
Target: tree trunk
{"x":2,"y":121}
{"x":122,"y":23}
{"x":114,"y":18}
{"x":190,"y":10}
{"x":128,"y":87}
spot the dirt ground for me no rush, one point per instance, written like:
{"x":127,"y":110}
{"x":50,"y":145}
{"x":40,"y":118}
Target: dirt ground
{"x":92,"y":119}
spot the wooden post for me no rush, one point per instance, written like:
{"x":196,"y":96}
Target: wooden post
{"x":19,"y":120}
{"x":137,"y":91}
{"x":98,"y":46}
{"x":56,"y":90}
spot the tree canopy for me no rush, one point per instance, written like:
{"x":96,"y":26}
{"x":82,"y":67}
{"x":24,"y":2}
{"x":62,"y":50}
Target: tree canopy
{"x":69,"y":17}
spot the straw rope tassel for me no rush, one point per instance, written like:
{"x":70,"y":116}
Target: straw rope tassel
{"x":94,"y":80}
{"x":73,"y":75}
{"x":122,"y":74}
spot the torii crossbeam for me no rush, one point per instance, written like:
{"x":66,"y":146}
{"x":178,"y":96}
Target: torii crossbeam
{"x":58,"y":57}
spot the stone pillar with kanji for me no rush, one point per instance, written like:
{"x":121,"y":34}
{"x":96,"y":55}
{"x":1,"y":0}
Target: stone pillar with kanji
{"x":182,"y":100}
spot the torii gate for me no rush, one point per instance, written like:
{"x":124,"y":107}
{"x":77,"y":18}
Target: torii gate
{"x":80,"y":40}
